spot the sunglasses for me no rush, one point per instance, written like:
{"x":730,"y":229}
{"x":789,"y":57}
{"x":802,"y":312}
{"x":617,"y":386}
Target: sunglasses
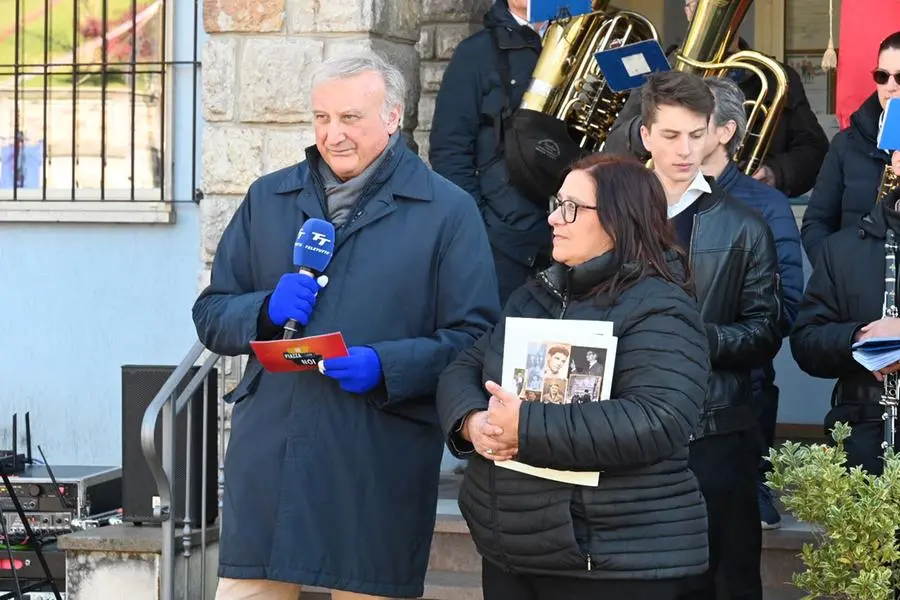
{"x":881,"y":76}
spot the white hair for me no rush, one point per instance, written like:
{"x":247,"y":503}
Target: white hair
{"x":349,"y":65}
{"x":729,"y":107}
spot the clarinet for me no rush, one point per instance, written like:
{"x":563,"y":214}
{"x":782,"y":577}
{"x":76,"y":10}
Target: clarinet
{"x":891,"y":395}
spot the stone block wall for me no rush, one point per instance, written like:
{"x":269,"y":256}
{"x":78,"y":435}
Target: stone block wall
{"x":445,"y":23}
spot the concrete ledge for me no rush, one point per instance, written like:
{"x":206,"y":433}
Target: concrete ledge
{"x":790,"y":536}
{"x":127,"y":538}
{"x":85,"y":211}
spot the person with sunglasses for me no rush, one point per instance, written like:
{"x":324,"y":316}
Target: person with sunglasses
{"x":848,"y":181}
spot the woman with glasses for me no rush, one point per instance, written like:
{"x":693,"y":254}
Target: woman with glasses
{"x":642,"y":530}
{"x":849,"y":178}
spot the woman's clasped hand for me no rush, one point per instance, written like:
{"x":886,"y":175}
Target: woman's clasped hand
{"x":495,"y":432}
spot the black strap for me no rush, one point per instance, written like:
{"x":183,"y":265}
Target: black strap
{"x":505,"y":86}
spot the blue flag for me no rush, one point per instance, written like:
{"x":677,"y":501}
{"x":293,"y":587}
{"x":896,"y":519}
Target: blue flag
{"x":626,"y":67}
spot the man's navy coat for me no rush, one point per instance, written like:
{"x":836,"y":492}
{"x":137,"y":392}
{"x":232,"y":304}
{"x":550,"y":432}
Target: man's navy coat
{"x":324,"y":487}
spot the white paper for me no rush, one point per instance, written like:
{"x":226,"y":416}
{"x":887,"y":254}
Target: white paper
{"x":560,"y":361}
{"x":635,"y":65}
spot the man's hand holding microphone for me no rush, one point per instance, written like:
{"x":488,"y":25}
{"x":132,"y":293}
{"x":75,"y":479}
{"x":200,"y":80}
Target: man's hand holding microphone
{"x":294,"y":299}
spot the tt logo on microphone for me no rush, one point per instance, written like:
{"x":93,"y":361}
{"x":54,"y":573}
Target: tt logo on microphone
{"x":320,"y":237}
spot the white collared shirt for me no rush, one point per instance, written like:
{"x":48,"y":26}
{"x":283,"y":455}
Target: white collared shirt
{"x":521,"y":21}
{"x":698,"y":187}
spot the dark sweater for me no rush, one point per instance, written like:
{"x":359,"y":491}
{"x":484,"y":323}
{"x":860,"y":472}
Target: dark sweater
{"x":684,"y":224}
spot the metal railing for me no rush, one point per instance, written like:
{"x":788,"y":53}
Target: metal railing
{"x":169,"y":403}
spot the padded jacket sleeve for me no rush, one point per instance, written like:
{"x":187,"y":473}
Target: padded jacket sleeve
{"x":660,"y":381}
{"x":823,"y":212}
{"x":823,"y":332}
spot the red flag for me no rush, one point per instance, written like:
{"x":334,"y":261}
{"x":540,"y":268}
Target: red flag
{"x":862,"y":30}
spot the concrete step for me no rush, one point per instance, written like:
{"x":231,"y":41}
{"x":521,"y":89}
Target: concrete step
{"x":439,"y":585}
{"x":452,"y":548}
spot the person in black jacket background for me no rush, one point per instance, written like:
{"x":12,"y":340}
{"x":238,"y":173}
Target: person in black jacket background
{"x":642,"y":530}
{"x":798,"y":146}
{"x":735,"y":269}
{"x":848,"y":182}
{"x":465,"y":144}
{"x":727,"y":127}
{"x":842,"y":305}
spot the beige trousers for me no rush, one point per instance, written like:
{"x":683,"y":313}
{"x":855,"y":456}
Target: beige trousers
{"x":262,"y":589}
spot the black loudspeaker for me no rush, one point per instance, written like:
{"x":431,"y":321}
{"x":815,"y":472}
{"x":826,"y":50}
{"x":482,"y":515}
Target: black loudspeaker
{"x":140,"y":384}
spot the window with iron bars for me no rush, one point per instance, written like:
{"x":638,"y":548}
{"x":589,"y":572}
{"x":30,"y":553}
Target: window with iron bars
{"x":86,"y":105}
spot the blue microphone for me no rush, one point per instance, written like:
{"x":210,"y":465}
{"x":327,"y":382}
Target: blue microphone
{"x":312,"y":254}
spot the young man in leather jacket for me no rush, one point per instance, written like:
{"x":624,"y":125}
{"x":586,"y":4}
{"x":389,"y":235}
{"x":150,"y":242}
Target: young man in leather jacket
{"x":735,"y":272}
{"x":798,"y":145}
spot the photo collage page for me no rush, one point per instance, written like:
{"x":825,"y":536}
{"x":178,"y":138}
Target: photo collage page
{"x":561,"y":373}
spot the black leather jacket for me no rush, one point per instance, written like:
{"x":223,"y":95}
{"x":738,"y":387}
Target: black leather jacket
{"x":735,"y":271}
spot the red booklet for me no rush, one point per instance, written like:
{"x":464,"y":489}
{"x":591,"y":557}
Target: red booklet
{"x":301,"y":354}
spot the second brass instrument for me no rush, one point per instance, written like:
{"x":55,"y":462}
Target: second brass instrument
{"x":708,"y":39}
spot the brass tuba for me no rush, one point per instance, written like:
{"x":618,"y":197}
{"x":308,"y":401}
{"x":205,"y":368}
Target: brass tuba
{"x":567,"y":83}
{"x":709,"y":36}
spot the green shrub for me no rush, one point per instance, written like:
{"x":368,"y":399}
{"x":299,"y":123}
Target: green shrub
{"x":855,"y":516}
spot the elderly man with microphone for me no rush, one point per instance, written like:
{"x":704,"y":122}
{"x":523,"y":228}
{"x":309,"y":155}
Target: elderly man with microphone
{"x":332,"y":474}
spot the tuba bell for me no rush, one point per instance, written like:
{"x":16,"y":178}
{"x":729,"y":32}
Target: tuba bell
{"x":567,"y":83}
{"x":708,"y":38}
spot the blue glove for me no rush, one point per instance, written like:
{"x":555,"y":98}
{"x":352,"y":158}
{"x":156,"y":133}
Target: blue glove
{"x":293,"y":298}
{"x":357,"y":373}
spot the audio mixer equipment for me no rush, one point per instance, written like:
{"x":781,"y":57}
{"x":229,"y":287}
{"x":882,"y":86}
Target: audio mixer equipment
{"x":38,"y":503}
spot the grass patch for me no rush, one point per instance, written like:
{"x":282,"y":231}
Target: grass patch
{"x":45,"y":38}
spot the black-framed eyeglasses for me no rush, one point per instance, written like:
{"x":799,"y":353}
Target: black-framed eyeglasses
{"x":569,"y":208}
{"x":881,"y":76}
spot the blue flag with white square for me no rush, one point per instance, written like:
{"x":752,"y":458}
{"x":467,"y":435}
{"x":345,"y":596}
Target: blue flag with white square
{"x":627,"y":67}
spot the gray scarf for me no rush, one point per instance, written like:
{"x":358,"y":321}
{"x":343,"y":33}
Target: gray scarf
{"x":341,"y":196}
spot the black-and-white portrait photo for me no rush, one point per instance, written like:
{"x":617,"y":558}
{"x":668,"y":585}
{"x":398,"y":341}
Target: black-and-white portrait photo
{"x":583,"y":388}
{"x":519,"y":378}
{"x":588,"y":361}
{"x":554,"y":391}
{"x":557,"y":362}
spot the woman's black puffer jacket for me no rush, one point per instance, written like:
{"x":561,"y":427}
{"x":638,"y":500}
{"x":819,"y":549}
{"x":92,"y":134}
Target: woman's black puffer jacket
{"x":848,"y":181}
{"x":646,"y":519}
